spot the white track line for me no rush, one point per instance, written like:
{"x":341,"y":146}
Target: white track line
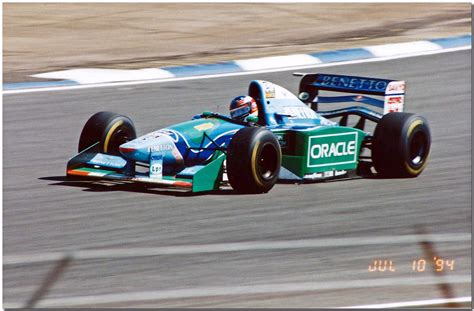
{"x":402,"y":48}
{"x":416,"y":303}
{"x":240,"y":290}
{"x":265,"y":63}
{"x":98,"y":75}
{"x":116,"y":84}
{"x":232,"y":247}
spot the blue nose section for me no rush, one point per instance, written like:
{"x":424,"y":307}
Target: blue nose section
{"x":140,"y":149}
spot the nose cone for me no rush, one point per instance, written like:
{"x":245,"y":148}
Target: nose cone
{"x":140,"y":148}
{"x":125,"y":149}
{"x":130,"y":150}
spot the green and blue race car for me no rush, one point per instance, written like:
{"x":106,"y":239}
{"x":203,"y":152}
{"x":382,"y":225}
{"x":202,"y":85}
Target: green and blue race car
{"x":290,"y":139}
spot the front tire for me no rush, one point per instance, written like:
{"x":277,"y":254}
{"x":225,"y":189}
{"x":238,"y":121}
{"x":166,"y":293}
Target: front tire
{"x":401,"y":145}
{"x":109,"y":129}
{"x":253,"y":160}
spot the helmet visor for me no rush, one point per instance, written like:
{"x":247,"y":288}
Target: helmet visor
{"x":240,"y":112}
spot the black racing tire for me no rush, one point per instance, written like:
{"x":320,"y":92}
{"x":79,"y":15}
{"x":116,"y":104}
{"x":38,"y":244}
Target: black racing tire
{"x":253,"y":160}
{"x":401,"y":145}
{"x":109,"y":129}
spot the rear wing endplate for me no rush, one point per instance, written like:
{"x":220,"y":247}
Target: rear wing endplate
{"x":393,"y":91}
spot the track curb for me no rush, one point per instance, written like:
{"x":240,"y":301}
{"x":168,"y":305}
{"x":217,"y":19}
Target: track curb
{"x":89,"y":76}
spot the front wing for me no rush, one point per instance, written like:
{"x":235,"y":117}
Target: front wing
{"x":92,"y":164}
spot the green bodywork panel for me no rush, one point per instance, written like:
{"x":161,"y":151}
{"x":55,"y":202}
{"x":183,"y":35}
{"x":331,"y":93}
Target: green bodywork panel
{"x":193,"y":130}
{"x":326,"y":148}
{"x":209,"y":177}
{"x":206,"y":177}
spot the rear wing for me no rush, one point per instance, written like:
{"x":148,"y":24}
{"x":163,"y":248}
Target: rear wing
{"x":393,"y":91}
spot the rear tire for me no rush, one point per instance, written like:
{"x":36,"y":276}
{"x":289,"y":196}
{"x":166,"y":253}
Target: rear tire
{"x":109,"y":129}
{"x":401,"y":145}
{"x":253,"y":160}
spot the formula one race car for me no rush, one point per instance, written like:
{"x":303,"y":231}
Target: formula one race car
{"x":290,"y":139}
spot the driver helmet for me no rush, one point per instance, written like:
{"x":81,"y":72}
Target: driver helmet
{"x":243,"y":106}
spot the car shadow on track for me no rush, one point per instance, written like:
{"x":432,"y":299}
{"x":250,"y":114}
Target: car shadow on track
{"x":109,"y":185}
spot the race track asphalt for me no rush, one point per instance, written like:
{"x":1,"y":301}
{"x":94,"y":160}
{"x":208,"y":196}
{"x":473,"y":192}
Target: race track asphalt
{"x":44,"y":212}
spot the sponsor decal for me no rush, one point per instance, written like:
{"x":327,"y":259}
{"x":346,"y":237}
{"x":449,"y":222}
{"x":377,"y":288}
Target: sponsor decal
{"x":161,"y":148}
{"x":340,"y":173}
{"x":300,"y":112}
{"x":325,"y":175}
{"x":393,"y":100}
{"x":332,"y":149}
{"x":269,"y":89}
{"x":393,"y":104}
{"x":396,"y":87}
{"x":156,"y":166}
{"x":107,"y":160}
{"x":204,"y":126}
{"x":328,"y":174}
{"x":173,"y":135}
{"x":376,"y":85}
